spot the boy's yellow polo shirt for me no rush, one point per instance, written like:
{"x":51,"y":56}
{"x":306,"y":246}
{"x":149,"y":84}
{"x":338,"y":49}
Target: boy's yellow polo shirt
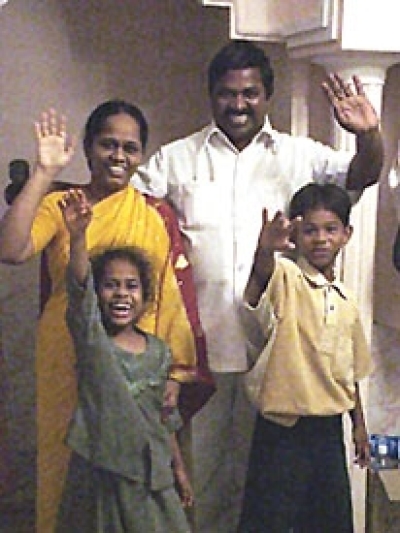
{"x":319,"y":350}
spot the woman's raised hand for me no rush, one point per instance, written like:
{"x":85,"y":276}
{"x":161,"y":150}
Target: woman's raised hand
{"x":54,"y":147}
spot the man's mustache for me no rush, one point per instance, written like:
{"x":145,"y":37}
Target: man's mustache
{"x":237,"y":113}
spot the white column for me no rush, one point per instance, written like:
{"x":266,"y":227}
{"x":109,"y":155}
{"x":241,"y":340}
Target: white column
{"x":357,"y":261}
{"x":299,"y":98}
{"x":359,"y":255}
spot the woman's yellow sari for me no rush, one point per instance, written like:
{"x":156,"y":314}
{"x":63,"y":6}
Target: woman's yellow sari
{"x":124,"y":218}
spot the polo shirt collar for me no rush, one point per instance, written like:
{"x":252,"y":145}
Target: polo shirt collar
{"x":319,"y":280}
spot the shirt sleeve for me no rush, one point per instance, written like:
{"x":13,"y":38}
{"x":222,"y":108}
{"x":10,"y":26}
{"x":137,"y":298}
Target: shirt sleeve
{"x":82,"y":314}
{"x":328,"y":165}
{"x":333,"y":168}
{"x":258,"y":323}
{"x":152,"y":178}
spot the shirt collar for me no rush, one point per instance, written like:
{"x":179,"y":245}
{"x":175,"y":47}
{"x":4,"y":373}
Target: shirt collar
{"x":319,"y":280}
{"x":266,"y":134}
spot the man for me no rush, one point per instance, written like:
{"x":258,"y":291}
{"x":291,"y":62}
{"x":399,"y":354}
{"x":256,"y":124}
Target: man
{"x":219,"y":179}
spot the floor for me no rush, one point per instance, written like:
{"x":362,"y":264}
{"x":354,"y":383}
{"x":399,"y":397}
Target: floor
{"x":383,"y":514}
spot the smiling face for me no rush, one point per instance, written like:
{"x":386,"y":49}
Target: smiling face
{"x":320,"y":238}
{"x":120,"y":295}
{"x":239,"y":105}
{"x":114,"y":155}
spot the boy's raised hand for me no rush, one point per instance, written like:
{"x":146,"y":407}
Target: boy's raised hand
{"x":76,"y":210}
{"x":276,"y":234}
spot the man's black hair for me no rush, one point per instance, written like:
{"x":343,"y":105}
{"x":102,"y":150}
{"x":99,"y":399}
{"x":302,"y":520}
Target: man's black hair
{"x":239,"y":55}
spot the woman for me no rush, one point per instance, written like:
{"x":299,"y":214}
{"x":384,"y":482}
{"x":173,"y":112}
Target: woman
{"x":114,"y":142}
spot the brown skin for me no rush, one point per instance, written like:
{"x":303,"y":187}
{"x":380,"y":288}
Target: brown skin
{"x":121,"y":286}
{"x":55,"y":149}
{"x":360,"y":434}
{"x":114,"y":156}
{"x":275,"y":235}
{"x":320,"y":238}
{"x":239,"y":105}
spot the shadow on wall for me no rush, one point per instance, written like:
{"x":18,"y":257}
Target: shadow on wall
{"x":154,"y":53}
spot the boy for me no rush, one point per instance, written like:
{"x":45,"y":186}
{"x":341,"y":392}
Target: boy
{"x":297,"y":476}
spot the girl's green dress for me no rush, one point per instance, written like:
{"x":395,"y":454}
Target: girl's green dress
{"x":120,"y":477}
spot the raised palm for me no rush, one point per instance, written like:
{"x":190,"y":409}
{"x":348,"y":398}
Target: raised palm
{"x":76,"y":210}
{"x":276,"y":233}
{"x":352,"y":109}
{"x":54,"y":148}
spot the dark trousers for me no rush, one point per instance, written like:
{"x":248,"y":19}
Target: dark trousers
{"x":297,"y":479}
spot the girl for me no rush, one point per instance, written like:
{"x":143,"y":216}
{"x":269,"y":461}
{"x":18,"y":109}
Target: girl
{"x":120,"y":477}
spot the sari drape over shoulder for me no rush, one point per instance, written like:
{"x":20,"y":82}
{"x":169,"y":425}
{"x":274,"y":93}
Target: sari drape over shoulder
{"x":122,"y":219}
{"x":195,"y":392}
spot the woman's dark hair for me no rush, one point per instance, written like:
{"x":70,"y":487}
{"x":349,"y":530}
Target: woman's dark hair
{"x":239,"y":55}
{"x":326,"y":195}
{"x":98,"y":117}
{"x":136,"y":257}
